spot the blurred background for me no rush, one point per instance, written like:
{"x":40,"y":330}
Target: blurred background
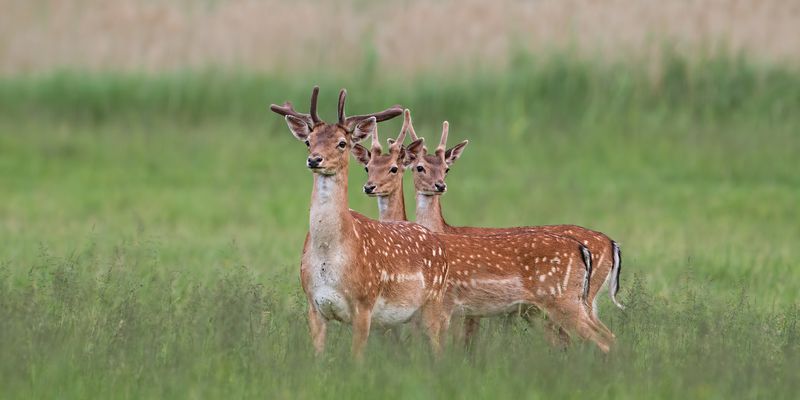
{"x":153,"y":210}
{"x":406,"y":37}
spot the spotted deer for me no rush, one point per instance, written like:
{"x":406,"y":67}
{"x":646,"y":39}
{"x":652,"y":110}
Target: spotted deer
{"x":429,"y":173}
{"x":354,"y":269}
{"x":491,"y":275}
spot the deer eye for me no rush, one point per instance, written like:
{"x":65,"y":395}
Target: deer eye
{"x":342,"y":144}
{"x":393,"y":170}
{"x":420,"y":168}
{"x":308,"y":144}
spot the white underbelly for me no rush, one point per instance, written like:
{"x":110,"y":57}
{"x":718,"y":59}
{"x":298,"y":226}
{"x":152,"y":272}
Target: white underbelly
{"x":488,"y":297}
{"x":387,"y":314}
{"x":486,"y":309}
{"x":407,"y":296}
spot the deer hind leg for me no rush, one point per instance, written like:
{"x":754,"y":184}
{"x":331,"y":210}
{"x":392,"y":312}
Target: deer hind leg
{"x":575,"y":317}
{"x":457,"y":335}
{"x":445,"y":326}
{"x":396,"y":335}
{"x":436,"y":321}
{"x":592,"y":300}
{"x":556,"y":335}
{"x":597,"y":322}
{"x":317,"y":326}
{"x":610,"y":337}
{"x":553,"y":333}
{"x":471,"y":325}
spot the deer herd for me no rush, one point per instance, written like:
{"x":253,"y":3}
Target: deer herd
{"x":382,"y":273}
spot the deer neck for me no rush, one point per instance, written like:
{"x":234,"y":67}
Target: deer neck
{"x":393,"y":206}
{"x":329,"y":216}
{"x":429,"y":213}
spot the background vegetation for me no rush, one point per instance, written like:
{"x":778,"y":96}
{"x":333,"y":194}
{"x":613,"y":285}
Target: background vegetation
{"x":151,"y":223}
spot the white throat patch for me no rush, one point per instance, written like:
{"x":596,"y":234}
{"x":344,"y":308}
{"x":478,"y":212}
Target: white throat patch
{"x":324,"y":222}
{"x":383,"y":205}
{"x":425,"y":212}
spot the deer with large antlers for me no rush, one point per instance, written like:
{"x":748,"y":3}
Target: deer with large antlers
{"x":430,"y":171}
{"x":354,"y":269}
{"x":493,"y":274}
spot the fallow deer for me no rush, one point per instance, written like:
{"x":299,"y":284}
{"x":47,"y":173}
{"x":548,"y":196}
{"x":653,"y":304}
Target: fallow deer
{"x":354,"y":269}
{"x":429,"y":173}
{"x":491,"y":275}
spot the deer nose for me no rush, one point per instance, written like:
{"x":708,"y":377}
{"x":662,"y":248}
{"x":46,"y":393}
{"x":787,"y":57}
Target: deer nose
{"x":314,"y":161}
{"x":440,"y":186}
{"x":369,"y":188}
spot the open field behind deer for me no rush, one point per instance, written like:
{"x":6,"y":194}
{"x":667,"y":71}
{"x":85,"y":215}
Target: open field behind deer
{"x":409,"y":36}
{"x":152,"y":226}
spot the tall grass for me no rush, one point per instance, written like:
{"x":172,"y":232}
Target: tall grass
{"x":561,"y":89}
{"x":121,"y":325}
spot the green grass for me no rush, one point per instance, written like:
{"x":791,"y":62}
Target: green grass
{"x":151,"y":229}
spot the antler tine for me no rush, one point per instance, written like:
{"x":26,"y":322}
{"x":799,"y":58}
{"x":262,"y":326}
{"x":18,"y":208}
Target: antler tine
{"x":406,"y":124}
{"x":411,"y":130}
{"x":384,"y":115}
{"x":443,"y":141}
{"x":288,"y":109}
{"x":376,"y":143}
{"x":342,"y":96}
{"x":314,"y":94}
{"x":285,"y":109}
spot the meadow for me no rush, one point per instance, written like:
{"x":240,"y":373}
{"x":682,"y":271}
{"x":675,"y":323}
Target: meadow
{"x":151,"y":228}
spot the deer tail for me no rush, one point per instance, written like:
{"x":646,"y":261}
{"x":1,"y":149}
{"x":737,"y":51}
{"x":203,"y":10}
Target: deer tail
{"x":613,"y":287}
{"x":587,"y":262}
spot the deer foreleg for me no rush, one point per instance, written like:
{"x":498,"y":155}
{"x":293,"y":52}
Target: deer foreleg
{"x":362,"y":318}
{"x":317,"y":325}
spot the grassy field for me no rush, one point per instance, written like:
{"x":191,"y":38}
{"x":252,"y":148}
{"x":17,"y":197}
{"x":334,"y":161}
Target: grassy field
{"x":151,"y":228}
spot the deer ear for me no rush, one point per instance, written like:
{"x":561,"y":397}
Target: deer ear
{"x":364,"y":129}
{"x":451,"y":155}
{"x":401,"y":156}
{"x":361,"y":154}
{"x":299,"y":127}
{"x":412,"y":152}
{"x":390,"y":141}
